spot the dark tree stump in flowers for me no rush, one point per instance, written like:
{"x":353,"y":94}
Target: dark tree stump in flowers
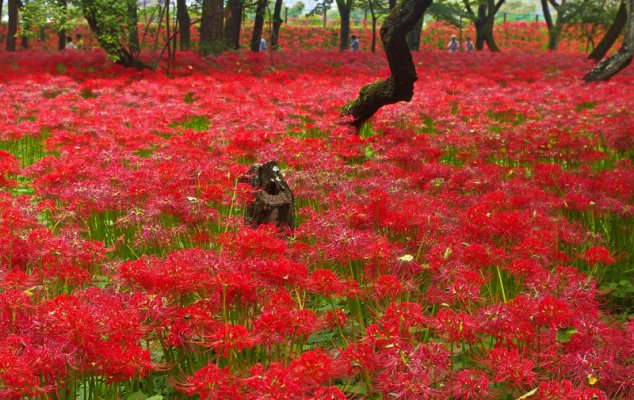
{"x":273,"y":201}
{"x":399,"y":86}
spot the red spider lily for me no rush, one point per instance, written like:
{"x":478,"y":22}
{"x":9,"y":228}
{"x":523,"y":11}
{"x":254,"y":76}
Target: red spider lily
{"x":211,"y":382}
{"x":509,"y":367}
{"x":597,"y":255}
{"x":565,"y":390}
{"x":471,"y":385}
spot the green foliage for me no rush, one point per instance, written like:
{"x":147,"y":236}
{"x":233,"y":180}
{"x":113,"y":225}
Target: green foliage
{"x":447,"y":11}
{"x":109,"y":20}
{"x":37,"y":14}
{"x":297,"y":10}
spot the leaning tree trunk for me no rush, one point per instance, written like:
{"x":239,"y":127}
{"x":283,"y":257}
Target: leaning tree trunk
{"x":184,"y":22}
{"x":115,"y":49}
{"x":611,"y":35}
{"x":277,"y":23}
{"x":13,"y":25}
{"x":621,"y":59}
{"x":258,"y":25}
{"x":232,"y":23}
{"x":399,"y":86}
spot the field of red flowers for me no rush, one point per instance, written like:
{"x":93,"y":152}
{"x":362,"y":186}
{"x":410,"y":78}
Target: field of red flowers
{"x":475,"y":243}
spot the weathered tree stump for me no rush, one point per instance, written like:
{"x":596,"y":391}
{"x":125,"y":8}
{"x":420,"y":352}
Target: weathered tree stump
{"x":273,"y":201}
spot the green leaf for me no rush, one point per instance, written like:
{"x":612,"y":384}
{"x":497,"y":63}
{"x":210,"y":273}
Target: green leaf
{"x":527,"y":395}
{"x":565,"y":334}
{"x":137,"y":396}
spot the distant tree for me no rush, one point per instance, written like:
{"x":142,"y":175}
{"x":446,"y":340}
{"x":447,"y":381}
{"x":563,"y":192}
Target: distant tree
{"x":484,"y":19}
{"x":399,"y":86}
{"x":211,"y":26}
{"x":277,"y":23}
{"x":377,"y":8}
{"x":110,"y":21}
{"x":184,"y":22}
{"x":13,"y":25}
{"x":345,"y":8}
{"x":233,"y":22}
{"x":618,"y":61}
{"x":1,"y":5}
{"x":520,"y":7}
{"x":296,"y":10}
{"x":258,"y":24}
{"x":133,"y":27}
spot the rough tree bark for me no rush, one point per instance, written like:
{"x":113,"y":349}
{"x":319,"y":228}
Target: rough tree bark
{"x":611,"y":35}
{"x":345,"y":8}
{"x":399,"y":86}
{"x":277,"y":23}
{"x":233,"y":22}
{"x":13,"y":25}
{"x":211,"y":26}
{"x":484,"y":21}
{"x":273,"y":201}
{"x":184,"y":21}
{"x":258,"y":25}
{"x":621,"y":59}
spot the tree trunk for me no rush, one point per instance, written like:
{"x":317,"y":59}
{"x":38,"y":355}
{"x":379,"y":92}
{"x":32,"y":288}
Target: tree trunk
{"x":184,"y":22}
{"x":399,"y":86}
{"x":549,"y":21}
{"x":61,"y":40}
{"x":258,"y":25}
{"x":61,"y":35}
{"x":116,"y":50}
{"x":13,"y":25}
{"x":211,"y":33}
{"x":611,"y":35}
{"x":133,"y":21}
{"x":1,"y":5}
{"x":480,"y":25}
{"x":344,"y":31}
{"x":24,"y":42}
{"x":277,"y":23}
{"x":373,"y":15}
{"x":554,"y":35}
{"x":616,"y":62}
{"x":233,"y":23}
{"x":413,"y":36}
